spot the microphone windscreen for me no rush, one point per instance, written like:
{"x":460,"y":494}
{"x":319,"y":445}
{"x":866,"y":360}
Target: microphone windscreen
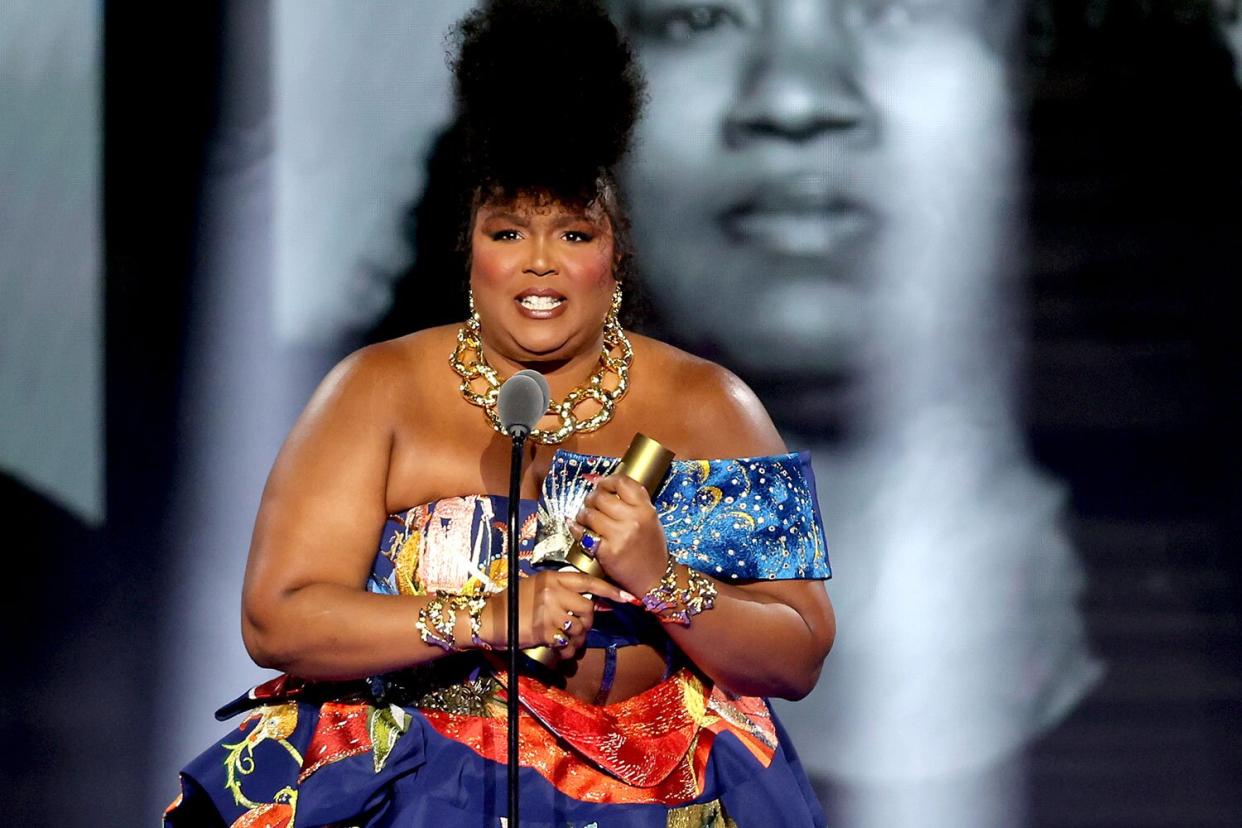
{"x":521,"y":404}
{"x":543,"y":384}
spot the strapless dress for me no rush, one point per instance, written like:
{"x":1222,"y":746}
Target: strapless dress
{"x":428,"y":745}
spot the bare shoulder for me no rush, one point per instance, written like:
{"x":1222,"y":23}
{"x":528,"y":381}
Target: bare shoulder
{"x":718,"y":415}
{"x":414,"y":354}
{"x":367,"y":380}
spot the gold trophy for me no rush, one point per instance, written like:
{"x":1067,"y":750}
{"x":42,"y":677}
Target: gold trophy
{"x":646,"y":462}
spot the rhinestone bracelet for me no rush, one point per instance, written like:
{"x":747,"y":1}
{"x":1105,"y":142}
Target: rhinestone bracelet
{"x":436,"y":622}
{"x":473,"y":605}
{"x":677,"y":606}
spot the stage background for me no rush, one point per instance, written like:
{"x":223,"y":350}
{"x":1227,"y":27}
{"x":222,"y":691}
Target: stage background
{"x":1021,"y":381}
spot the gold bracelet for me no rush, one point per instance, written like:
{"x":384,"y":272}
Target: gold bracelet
{"x":473,"y":605}
{"x":436,"y":621}
{"x":677,"y":606}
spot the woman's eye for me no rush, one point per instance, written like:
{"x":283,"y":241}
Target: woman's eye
{"x":506,"y":235}
{"x":685,"y":23}
{"x":578,"y":236}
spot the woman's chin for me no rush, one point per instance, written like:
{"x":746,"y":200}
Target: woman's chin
{"x":544,"y":348}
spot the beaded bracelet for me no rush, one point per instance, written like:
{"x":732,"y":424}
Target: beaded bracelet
{"x":473,"y":605}
{"x":677,"y":606}
{"x":436,"y":622}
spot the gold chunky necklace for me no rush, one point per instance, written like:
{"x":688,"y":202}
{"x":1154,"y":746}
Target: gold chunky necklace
{"x":614,"y":360}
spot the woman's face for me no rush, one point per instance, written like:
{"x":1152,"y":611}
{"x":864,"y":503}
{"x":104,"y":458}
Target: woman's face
{"x":771,"y":166}
{"x":542,"y":278}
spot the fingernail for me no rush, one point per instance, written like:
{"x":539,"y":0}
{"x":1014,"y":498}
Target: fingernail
{"x":629,"y":599}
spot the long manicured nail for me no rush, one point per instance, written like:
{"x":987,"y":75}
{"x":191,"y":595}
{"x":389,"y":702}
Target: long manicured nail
{"x":629,"y":599}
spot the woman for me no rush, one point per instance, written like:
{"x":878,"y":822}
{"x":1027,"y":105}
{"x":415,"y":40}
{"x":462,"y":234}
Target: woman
{"x":389,"y":710}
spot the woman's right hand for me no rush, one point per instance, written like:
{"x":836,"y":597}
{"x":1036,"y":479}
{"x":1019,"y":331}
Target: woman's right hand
{"x":552,"y":608}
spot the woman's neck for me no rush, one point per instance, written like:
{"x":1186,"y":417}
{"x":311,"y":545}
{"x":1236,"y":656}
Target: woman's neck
{"x":563,"y":375}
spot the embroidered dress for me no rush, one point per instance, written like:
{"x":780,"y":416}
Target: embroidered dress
{"x":428,"y":745}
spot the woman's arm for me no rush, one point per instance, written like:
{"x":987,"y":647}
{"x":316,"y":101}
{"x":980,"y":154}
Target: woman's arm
{"x":304,"y":610}
{"x":767,"y":638}
{"x":304,"y":606}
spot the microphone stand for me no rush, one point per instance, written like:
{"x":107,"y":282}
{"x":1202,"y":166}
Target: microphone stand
{"x":518,"y":434}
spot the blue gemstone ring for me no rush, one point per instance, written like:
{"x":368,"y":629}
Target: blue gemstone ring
{"x":590,"y":540}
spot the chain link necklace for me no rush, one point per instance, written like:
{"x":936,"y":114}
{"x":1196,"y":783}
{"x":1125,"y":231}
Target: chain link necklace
{"x":614,"y":361}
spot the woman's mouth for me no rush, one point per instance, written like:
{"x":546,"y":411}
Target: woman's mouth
{"x":541,"y":304}
{"x":799,"y":217}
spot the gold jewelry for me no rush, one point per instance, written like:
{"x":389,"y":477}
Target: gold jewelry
{"x":473,"y":605}
{"x":436,"y":621}
{"x":615,"y":358}
{"x":614,"y":310}
{"x":674,"y":605}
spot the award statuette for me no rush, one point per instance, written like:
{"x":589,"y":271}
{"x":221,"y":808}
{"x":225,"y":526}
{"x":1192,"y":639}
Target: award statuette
{"x":646,"y":462}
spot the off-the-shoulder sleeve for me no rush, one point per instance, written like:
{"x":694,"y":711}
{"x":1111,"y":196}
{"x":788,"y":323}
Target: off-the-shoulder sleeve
{"x":751,"y":518}
{"x":745,"y":519}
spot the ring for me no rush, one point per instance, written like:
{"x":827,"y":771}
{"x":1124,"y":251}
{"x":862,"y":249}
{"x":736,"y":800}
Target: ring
{"x":590,"y":540}
{"x":559,"y":640}
{"x":566,"y":624}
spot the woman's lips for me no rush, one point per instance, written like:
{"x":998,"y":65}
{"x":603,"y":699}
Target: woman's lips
{"x":800,"y":217}
{"x":540,"y":303}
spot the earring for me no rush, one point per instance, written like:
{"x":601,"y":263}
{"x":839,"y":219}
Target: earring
{"x":474,"y":314}
{"x":614,"y":311}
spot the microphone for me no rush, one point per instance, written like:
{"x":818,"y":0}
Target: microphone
{"x":522,"y":402}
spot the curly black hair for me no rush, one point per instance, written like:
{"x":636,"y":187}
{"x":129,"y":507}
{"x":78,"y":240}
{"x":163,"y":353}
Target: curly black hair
{"x":547,"y":93}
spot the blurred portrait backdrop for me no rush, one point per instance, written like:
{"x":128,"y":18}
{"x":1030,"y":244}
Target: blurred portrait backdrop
{"x":979,"y":256}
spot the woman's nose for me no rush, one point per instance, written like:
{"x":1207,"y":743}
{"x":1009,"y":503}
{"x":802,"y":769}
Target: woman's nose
{"x":539,"y":263}
{"x":801,"y":82}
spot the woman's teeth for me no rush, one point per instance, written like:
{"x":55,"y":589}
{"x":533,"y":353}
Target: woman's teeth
{"x":541,"y":302}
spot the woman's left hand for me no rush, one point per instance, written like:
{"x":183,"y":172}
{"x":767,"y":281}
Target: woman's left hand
{"x":631,"y":545}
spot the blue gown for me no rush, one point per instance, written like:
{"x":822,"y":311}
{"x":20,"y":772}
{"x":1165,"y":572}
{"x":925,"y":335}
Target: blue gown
{"x":428,"y":745}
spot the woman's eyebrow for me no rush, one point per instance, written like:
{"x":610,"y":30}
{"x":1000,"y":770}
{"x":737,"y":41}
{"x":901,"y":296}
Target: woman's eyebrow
{"x":507,"y":217}
{"x":573,"y":218}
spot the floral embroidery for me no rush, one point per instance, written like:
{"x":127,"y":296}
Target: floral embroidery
{"x":276,"y":724}
{"x":269,"y":814}
{"x":342,"y":730}
{"x":387,"y":725}
{"x":707,"y":815}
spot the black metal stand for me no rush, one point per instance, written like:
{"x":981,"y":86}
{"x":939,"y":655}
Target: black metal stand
{"x":515,"y":502}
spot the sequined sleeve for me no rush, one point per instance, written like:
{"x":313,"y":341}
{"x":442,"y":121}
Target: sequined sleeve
{"x":752,"y":518}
